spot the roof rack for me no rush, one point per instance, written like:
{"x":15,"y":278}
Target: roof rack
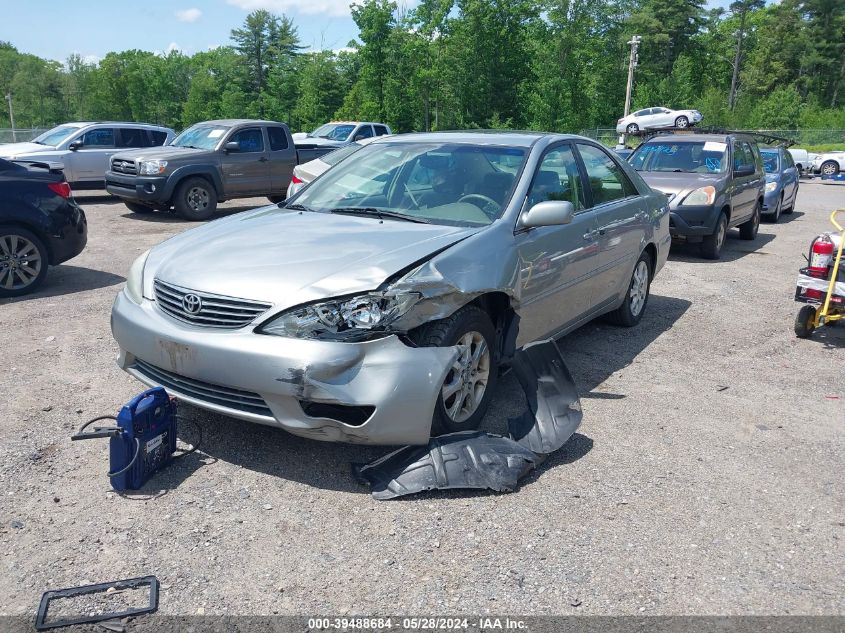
{"x":768,"y":139}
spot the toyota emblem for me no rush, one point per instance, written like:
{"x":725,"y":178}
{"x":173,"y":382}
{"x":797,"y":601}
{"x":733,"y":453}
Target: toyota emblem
{"x":191,"y":304}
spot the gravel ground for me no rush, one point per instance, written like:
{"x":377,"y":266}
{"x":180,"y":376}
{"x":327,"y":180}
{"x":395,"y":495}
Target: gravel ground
{"x":705,"y":479}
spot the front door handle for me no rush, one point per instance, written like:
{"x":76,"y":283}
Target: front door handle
{"x":263,"y":159}
{"x":590,"y":235}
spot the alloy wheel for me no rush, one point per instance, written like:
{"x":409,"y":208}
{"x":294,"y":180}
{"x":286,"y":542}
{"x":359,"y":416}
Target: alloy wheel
{"x":639,"y":288}
{"x":829,"y":168}
{"x":20,"y":262}
{"x":467,"y":379}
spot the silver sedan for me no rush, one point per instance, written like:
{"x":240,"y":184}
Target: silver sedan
{"x":379,"y":303}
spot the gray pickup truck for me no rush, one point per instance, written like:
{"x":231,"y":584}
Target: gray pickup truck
{"x":210,"y":162}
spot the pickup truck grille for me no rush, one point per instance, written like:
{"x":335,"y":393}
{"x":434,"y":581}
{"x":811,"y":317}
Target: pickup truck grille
{"x":120,"y":166}
{"x":200,"y":308}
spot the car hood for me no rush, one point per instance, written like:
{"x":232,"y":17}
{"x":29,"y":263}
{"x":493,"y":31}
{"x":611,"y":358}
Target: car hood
{"x":679,"y":184}
{"x":290,"y":257}
{"x":165,"y":152}
{"x":21,"y":149}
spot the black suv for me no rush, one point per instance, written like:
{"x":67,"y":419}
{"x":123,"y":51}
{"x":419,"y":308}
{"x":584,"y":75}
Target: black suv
{"x":714,"y":182}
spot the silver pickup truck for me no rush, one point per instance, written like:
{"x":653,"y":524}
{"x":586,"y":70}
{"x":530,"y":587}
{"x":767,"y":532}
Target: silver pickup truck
{"x":210,"y":162}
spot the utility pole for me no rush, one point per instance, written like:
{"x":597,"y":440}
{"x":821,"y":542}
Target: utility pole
{"x":634,"y":43}
{"x":12,"y":118}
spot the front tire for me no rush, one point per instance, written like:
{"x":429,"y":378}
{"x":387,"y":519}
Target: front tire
{"x":829,"y":168}
{"x":137,"y":207}
{"x":682,"y":122}
{"x":748,"y":229}
{"x":636,"y":299}
{"x":711,"y":246}
{"x":804,"y":321}
{"x":471,"y":381}
{"x":195,"y":199}
{"x":23,"y":261}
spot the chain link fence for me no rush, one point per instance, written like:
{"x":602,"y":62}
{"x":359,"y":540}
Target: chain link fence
{"x":20,"y":136}
{"x":610,"y":138}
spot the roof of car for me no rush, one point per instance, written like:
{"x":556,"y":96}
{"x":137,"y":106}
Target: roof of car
{"x":691,"y":137}
{"x":87,"y":123}
{"x":482,"y":137}
{"x":233,"y":122}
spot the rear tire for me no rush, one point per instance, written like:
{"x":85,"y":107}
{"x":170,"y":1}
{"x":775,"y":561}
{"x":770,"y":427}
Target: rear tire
{"x":23,"y":261}
{"x":632,"y":128}
{"x":195,"y":199}
{"x":711,"y":246}
{"x":748,"y":229}
{"x":636,"y":298}
{"x":804,"y":321}
{"x":462,"y":387}
{"x":137,"y":207}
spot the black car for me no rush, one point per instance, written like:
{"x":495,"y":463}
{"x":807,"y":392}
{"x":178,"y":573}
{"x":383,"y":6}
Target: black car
{"x":40,"y":224}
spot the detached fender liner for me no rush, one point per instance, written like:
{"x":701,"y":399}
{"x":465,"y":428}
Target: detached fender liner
{"x":479,"y":460}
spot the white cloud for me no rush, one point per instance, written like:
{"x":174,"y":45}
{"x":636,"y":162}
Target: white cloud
{"x":188,"y":15}
{"x":335,"y":8}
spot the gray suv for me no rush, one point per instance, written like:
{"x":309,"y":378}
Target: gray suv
{"x":84,"y":149}
{"x":714,"y":182}
{"x":377,"y":305}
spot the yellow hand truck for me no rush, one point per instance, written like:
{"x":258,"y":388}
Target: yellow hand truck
{"x":821,"y":285}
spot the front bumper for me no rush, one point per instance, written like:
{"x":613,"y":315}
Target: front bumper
{"x":151,"y":189}
{"x":268,"y":379}
{"x":693,"y":221}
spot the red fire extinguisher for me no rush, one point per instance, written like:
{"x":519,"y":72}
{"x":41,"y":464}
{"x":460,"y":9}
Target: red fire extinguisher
{"x":821,"y":256}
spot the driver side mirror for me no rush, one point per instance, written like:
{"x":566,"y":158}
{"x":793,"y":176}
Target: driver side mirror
{"x":548,"y":213}
{"x":75,"y":145}
{"x":744,"y":170}
{"x":232,"y":146}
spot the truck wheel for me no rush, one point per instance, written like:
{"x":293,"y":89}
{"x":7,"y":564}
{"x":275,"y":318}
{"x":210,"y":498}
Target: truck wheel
{"x":748,"y":229}
{"x":23,"y":261}
{"x":195,"y":199}
{"x":636,"y":298}
{"x":470,"y":383}
{"x":804,"y":321}
{"x":137,"y":207}
{"x":711,"y":246}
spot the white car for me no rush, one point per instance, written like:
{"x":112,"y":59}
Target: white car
{"x":828,"y":164}
{"x":306,"y":172}
{"x":651,"y":118}
{"x":801,"y":159}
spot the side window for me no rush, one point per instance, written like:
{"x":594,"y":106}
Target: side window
{"x":558,"y":178}
{"x":754,"y":156}
{"x":132,"y":137}
{"x":99,"y":137}
{"x":740,"y":158}
{"x":607,"y":180}
{"x":365,"y":131}
{"x":249,"y":140}
{"x":158,"y":137}
{"x":278,"y":139}
{"x":787,"y":158}
{"x":380,"y":130}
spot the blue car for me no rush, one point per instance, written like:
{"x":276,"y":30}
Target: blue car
{"x":781,"y":182}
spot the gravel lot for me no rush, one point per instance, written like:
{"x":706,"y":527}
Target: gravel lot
{"x":707,"y":477}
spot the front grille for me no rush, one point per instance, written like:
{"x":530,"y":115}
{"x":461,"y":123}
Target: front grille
{"x":120,"y":166}
{"x":228,"y":397}
{"x":210,"y":310}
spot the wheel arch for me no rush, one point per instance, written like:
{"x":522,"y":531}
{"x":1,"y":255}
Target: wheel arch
{"x":40,"y":234}
{"x":195,"y":171}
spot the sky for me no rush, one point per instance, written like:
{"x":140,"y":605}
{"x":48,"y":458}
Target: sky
{"x":54,"y":29}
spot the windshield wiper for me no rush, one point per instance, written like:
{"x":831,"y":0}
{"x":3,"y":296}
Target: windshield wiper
{"x":380,"y":213}
{"x":298,"y":207}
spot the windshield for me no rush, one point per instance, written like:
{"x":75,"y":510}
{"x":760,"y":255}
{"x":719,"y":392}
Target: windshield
{"x":443,"y":183}
{"x":333,"y":158}
{"x":201,"y":136}
{"x":334,"y":131}
{"x":55,"y":136}
{"x":703,"y":157}
{"x":770,"y":160}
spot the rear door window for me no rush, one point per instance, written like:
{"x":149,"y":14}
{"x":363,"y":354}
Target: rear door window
{"x":98,"y":137}
{"x":278,"y":138}
{"x":380,"y":130}
{"x":607,"y":180}
{"x":132,"y":137}
{"x":158,"y":137}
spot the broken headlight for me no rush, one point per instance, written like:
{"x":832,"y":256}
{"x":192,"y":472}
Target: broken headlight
{"x":341,"y":319}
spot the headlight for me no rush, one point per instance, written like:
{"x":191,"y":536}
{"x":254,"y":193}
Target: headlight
{"x":152,"y":167}
{"x":341,"y":319}
{"x":704,"y":195}
{"x":135,"y":279}
{"x":771,"y":186}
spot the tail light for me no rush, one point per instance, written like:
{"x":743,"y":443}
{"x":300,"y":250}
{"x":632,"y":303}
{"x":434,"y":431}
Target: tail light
{"x":60,"y":188}
{"x":821,"y":256}
{"x":296,"y":181}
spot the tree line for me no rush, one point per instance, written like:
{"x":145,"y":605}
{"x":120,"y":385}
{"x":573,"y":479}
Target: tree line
{"x":557,"y":65}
